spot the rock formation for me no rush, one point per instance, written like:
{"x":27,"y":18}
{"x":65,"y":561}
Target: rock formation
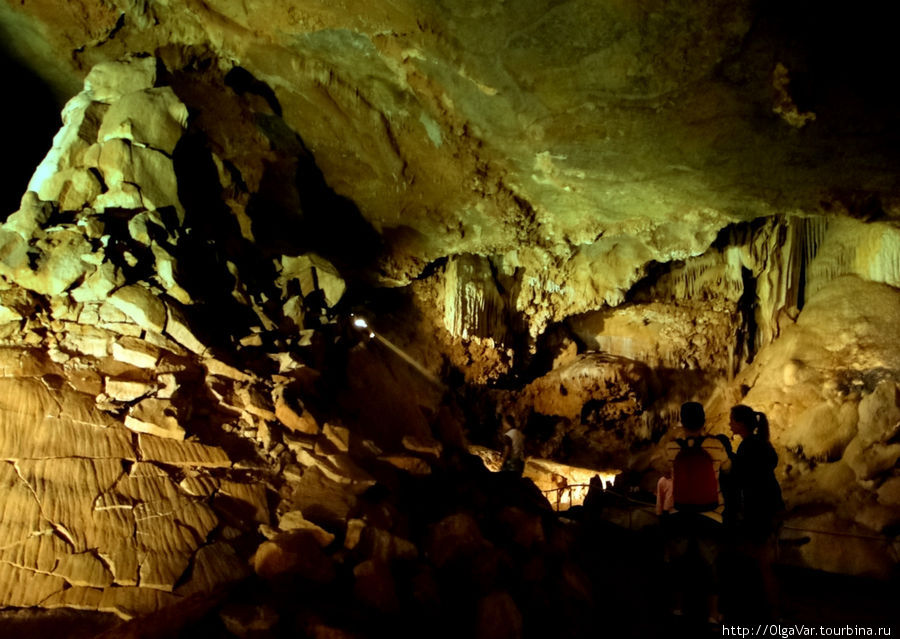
{"x":284,"y":263}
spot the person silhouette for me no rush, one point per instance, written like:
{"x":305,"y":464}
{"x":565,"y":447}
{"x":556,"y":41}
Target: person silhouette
{"x":752,"y":516}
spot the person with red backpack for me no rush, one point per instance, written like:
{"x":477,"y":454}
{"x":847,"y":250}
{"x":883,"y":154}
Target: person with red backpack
{"x":695,"y":528}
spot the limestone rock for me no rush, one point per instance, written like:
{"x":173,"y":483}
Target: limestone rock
{"x":73,"y":188}
{"x":250,"y":500}
{"x":199,"y":485}
{"x":214,"y":565}
{"x":339,"y":436}
{"x":81,"y":118}
{"x":296,"y":553}
{"x":151,"y":117}
{"x":869,"y":461}
{"x":339,"y":468}
{"x":34,"y":425}
{"x":145,"y":309}
{"x":97,"y":286}
{"x":165,"y":266}
{"x":217,"y":367}
{"x":524,"y":529}
{"x":323,"y":501}
{"x":121,"y":195}
{"x":32,"y":215}
{"x":177,"y":328}
{"x":313,"y":273}
{"x":135,"y":352}
{"x":8,"y":315}
{"x":294,"y":520}
{"x":125,"y":390}
{"x":353,"y":536}
{"x":155,"y":417}
{"x":287,"y":412}
{"x":256,"y":401}
{"x":428,"y":446}
{"x":24,"y":588}
{"x":183,"y":453}
{"x":879,"y":413}
{"x":125,"y":602}
{"x":294,"y":310}
{"x":87,"y":341}
{"x":58,"y":266}
{"x":108,"y":81}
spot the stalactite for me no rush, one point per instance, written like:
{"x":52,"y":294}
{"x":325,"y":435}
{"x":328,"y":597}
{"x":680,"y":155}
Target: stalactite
{"x":473,"y":306}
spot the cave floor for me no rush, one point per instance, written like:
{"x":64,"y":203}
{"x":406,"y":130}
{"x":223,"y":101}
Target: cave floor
{"x":807,"y":598}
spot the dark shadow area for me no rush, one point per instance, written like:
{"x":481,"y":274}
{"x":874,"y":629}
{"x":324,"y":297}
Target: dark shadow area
{"x":242,"y":82}
{"x":295,"y":211}
{"x":214,"y":238}
{"x":839,"y":62}
{"x":32,"y":115}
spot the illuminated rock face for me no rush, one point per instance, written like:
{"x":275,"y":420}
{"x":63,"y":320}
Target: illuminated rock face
{"x":579,"y":141}
{"x":672,"y":186}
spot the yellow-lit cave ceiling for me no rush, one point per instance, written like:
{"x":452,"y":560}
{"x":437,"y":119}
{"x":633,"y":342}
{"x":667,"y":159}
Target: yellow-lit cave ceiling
{"x":576,"y":213}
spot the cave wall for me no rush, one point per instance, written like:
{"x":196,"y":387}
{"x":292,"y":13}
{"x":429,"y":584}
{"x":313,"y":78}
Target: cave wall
{"x":703,"y":192}
{"x":620,"y":137}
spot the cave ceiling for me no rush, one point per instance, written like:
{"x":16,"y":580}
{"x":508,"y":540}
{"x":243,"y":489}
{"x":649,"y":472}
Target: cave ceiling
{"x":580,"y":213}
{"x":615,"y":133}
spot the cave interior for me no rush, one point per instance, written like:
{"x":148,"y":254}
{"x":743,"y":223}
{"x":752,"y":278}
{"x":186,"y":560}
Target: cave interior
{"x":276,"y":276}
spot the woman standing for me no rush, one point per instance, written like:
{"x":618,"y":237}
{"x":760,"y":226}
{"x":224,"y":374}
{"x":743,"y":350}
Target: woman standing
{"x":753,"y":509}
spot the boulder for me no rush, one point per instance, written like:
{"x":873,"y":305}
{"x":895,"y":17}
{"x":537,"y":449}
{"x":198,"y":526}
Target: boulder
{"x":97,"y":286}
{"x":313,"y":273}
{"x":870,"y":460}
{"x":296,"y":553}
{"x":143,"y":307}
{"x":178,"y":328}
{"x":338,"y":436}
{"x":291,"y":415}
{"x":155,"y":417}
{"x":256,"y":401}
{"x":136,"y":352}
{"x":823,"y":431}
{"x":294,"y":521}
{"x":879,"y":413}
{"x":245,"y":502}
{"x":152,"y":117}
{"x":109,"y":81}
{"x":33,"y":213}
{"x":125,"y":390}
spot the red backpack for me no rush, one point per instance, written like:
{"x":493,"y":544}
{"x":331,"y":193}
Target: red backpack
{"x":694,"y":477}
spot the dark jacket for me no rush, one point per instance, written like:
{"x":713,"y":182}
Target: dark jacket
{"x":753,"y":502}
